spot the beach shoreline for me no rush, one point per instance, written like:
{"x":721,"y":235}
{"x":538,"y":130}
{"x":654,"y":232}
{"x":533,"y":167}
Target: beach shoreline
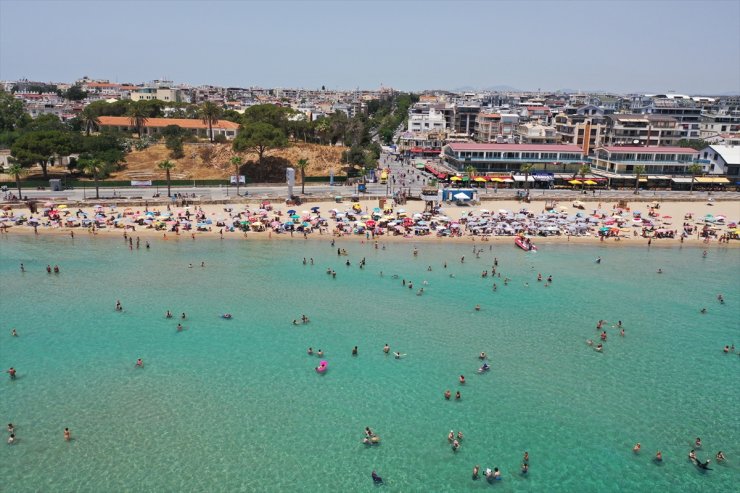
{"x":675,"y":210}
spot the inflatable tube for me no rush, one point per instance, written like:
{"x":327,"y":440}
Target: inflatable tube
{"x":322,"y":367}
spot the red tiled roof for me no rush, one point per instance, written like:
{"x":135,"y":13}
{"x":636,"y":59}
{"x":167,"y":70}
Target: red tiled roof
{"x":651,"y":149}
{"x":124,"y":121}
{"x":515,"y":147}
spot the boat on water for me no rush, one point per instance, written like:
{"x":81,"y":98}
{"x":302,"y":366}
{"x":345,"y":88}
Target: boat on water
{"x":525,"y":244}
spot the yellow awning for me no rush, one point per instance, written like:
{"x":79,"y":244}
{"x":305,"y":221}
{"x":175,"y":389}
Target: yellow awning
{"x":643,"y":180}
{"x":575,"y":182}
{"x":455,"y":178}
{"x":589,"y":182}
{"x":712,"y":179}
{"x":478,"y":178}
{"x":497,"y":180}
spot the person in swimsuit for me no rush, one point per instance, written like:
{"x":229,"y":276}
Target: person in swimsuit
{"x":386,"y":348}
{"x":67,"y":434}
{"x":140,"y":363}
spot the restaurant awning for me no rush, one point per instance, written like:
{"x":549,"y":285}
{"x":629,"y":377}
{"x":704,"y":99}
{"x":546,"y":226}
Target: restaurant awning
{"x":520,"y":178}
{"x":681,"y":179}
{"x":575,"y":182}
{"x":712,"y":179}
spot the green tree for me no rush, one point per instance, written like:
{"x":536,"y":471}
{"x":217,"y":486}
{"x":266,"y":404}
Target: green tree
{"x":41,"y":146}
{"x":138,"y":116}
{"x":75,"y":93}
{"x":16,"y":170}
{"x":302,"y":164}
{"x":236,"y":161}
{"x":88,"y":119}
{"x":697,"y":144}
{"x":46,"y":122}
{"x":210,"y":113}
{"x":96,"y":168}
{"x":694,"y":169}
{"x":174,"y":144}
{"x":274,"y":115}
{"x":167,"y":166}
{"x":12,"y":113}
{"x":259,"y":137}
{"x":107,"y":147}
{"x":526,"y":169}
{"x":639,"y":171}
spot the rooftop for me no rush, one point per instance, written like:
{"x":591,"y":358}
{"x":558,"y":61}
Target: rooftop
{"x":651,"y":149}
{"x":464,"y":146}
{"x":124,"y":121}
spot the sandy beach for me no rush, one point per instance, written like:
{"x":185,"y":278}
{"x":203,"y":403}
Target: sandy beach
{"x":670,"y":215}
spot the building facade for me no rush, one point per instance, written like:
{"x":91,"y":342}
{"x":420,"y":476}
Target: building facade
{"x":621,"y":160}
{"x":722,"y":160}
{"x":496,"y":127}
{"x":511,"y":157}
{"x":534,"y":133}
{"x":642,"y":130}
{"x":155,"y":126}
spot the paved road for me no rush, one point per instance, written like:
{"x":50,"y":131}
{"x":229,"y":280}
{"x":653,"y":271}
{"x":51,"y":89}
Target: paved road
{"x":403,"y":176}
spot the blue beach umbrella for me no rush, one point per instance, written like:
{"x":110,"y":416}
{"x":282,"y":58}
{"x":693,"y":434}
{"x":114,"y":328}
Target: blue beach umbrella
{"x":291,"y":212}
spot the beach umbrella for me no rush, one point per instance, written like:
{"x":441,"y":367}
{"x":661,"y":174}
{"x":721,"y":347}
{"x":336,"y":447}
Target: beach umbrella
{"x":295,"y":216}
{"x":315,"y":209}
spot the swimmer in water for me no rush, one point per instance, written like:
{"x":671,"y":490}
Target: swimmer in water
{"x":598,"y":260}
{"x":119,"y":307}
{"x":450,"y":436}
{"x":168,"y":314}
{"x":320,"y":353}
{"x":477,"y":308}
{"x":697,"y":442}
{"x":660,"y":271}
{"x":458,"y":396}
{"x":462,"y":379}
{"x":482,"y":355}
{"x":11,"y":428}
{"x":140,"y":363}
{"x":455,"y":445}
{"x":589,"y":342}
{"x":13,"y":333}
{"x":11,"y":439}
{"x":599,"y":347}
{"x":659,"y":456}
{"x":386,"y":348}
{"x":179,"y":327}
{"x":295,"y":322}
{"x":703,"y":465}
{"x":67,"y":434}
{"x":448,"y":394}
{"x":476,"y":472}
{"x":636,"y":448}
{"x":182,"y":316}
{"x":692,"y":456}
{"x":310,"y":351}
{"x":720,"y":456}
{"x":354,"y":351}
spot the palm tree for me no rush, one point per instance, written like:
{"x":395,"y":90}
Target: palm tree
{"x":167,"y":165}
{"x":16,"y":171}
{"x":237,"y":162}
{"x":89,"y":119}
{"x":694,"y":169}
{"x":526,"y":169}
{"x":210,"y":113}
{"x":94,"y":167}
{"x":138,"y":117}
{"x":302,"y":164}
{"x":639,"y":170}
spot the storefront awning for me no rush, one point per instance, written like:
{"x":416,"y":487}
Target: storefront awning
{"x":681,"y":180}
{"x":529,"y":179}
{"x":713,"y":179}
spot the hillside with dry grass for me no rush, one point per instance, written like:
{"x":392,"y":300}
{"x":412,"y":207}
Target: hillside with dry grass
{"x":212,"y":161}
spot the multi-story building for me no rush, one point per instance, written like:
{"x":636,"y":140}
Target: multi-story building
{"x":535,"y":133}
{"x":714,"y":124}
{"x":584,"y":127}
{"x":466,"y":113}
{"x":722,"y":160}
{"x":421,"y":143}
{"x":161,"y":93}
{"x":496,"y":127}
{"x":511,"y":157}
{"x":683,"y":109}
{"x":621,"y":160}
{"x":432,"y":120}
{"x":642,"y":130}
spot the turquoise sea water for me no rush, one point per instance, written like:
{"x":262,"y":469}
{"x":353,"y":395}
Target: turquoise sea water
{"x":235,"y":405}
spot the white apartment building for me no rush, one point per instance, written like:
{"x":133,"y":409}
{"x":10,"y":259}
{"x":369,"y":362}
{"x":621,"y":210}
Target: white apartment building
{"x":420,"y":122}
{"x":721,"y":160}
{"x":161,"y":93}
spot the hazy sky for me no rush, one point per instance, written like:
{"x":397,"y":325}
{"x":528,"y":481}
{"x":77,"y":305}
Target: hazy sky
{"x":623,"y":46}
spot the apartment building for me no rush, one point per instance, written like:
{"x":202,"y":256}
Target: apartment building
{"x":656,"y":160}
{"x":684,"y":109}
{"x":642,"y":130}
{"x":535,"y":133}
{"x":431,"y":120}
{"x":584,"y":126}
{"x":496,"y":127}
{"x":714,"y":124}
{"x":722,"y":160}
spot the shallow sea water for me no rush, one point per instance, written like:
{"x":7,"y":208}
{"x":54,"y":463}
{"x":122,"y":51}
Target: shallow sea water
{"x":235,"y":405}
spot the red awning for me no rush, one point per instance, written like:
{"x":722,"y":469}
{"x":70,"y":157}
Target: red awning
{"x":416,"y":149}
